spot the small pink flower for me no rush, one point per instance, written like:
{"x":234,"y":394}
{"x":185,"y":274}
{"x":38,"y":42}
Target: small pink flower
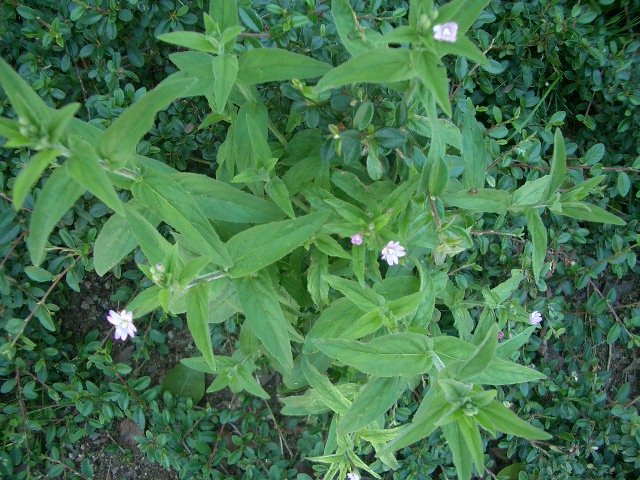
{"x":446,"y":32}
{"x":123,"y":322}
{"x":500,"y":335}
{"x":535,"y":318}
{"x":356,"y":239}
{"x":392,"y":251}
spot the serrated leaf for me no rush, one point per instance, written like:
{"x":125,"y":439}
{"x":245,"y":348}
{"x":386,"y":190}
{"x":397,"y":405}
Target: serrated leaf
{"x":225,"y":72}
{"x":330,"y":395}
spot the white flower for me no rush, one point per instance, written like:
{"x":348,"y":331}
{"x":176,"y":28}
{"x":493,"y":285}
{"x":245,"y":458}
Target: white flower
{"x":535,"y":318}
{"x":356,"y":239}
{"x":392,"y":251}
{"x":446,"y":32}
{"x":123,"y":322}
{"x":353,"y":476}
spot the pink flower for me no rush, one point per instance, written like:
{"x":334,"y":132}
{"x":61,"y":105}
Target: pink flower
{"x":500,"y":335}
{"x":535,"y":318}
{"x":446,"y":32}
{"x":356,"y":239}
{"x":123,"y":322}
{"x":392,"y":251}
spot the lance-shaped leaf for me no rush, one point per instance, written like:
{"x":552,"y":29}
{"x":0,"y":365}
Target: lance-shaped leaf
{"x":506,"y":348}
{"x":329,"y":394}
{"x":377,"y":396}
{"x":153,"y":245}
{"x":221,"y":201}
{"x":462,"y":47}
{"x":58,"y":195}
{"x":470,"y":433}
{"x":29,"y":175}
{"x":25,"y":101}
{"x":538,"y":235}
{"x":506,"y":421}
{"x":262,"y":245}
{"x":480,"y":359}
{"x":145,"y":302}
{"x":262,"y":310}
{"x":353,"y":36}
{"x":169,"y":201}
{"x":225,"y":71}
{"x":224,"y":12}
{"x":397,"y":354}
{"x":117,"y":144}
{"x":474,"y":152}
{"x":311,"y":402}
{"x":434,"y":77}
{"x":363,"y":297}
{"x":558,"y":164}
{"x":198,"y":321}
{"x":275,"y":65}
{"x":84,"y":166}
{"x":479,"y":200}
{"x":191,"y":40}
{"x":382,"y":65}
{"x":581,"y":190}
{"x":458,"y":446}
{"x":588,"y":212}
{"x":116,"y":240}
{"x":463,"y":12}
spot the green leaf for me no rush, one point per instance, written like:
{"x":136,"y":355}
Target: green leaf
{"x":275,"y":65}
{"x":353,"y":36}
{"x":531,"y":193}
{"x":242,"y":379}
{"x":538,"y":235}
{"x":28,"y":176}
{"x":221,"y":201}
{"x":474,"y":152}
{"x":432,"y":408}
{"x":167,"y":199}
{"x":154,"y":246}
{"x":60,"y":119}
{"x":397,"y":354}
{"x":363,"y":297}
{"x":278,"y":192}
{"x":183,"y":381}
{"x":330,"y":395}
{"x":58,"y":195}
{"x":462,"y":47}
{"x":317,"y":284}
{"x":311,"y":402}
{"x":558,"y":164}
{"x":117,"y":144}
{"x":145,"y":302}
{"x":479,"y":200}
{"x":463,"y":12}
{"x":224,"y":12}
{"x":508,"y":422}
{"x":581,"y":190}
{"x":85,"y":167}
{"x":461,"y":455}
{"x":508,"y":347}
{"x":471,"y":435}
{"x":480,"y":359}
{"x":434,"y":77}
{"x":191,"y":40}
{"x":198,"y":321}
{"x":623,"y":184}
{"x":377,"y":396}
{"x":381,"y":65}
{"x":262,"y":245}
{"x":259,"y":302}
{"x":25,"y":101}
{"x":225,"y":71}
{"x":116,"y":240}
{"x":589,"y":212}
{"x":503,"y":372}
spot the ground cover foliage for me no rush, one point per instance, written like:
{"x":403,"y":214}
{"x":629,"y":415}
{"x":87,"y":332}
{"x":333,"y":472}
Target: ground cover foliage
{"x":560,"y":83}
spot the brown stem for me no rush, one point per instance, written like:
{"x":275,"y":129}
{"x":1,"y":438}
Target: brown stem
{"x":13,"y":247}
{"x":24,"y":420}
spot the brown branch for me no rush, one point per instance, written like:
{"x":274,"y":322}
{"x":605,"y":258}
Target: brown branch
{"x":16,"y":242}
{"x":24,"y":420}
